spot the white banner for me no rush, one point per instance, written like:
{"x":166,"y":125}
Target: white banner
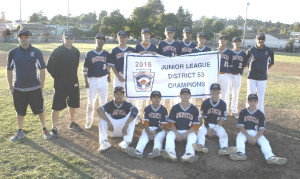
{"x":146,"y":73}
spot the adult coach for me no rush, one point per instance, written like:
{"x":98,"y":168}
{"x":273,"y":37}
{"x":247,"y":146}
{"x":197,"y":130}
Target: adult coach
{"x":96,"y":77}
{"x":260,"y":58}
{"x":62,"y":65}
{"x":25,"y":61}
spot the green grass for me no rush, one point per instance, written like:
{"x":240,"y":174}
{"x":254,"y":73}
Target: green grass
{"x":287,"y":58}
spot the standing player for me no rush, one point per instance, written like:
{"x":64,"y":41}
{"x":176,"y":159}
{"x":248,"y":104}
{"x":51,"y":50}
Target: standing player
{"x":187,"y":45}
{"x":226,"y":57}
{"x":260,"y":58}
{"x":214,"y":113}
{"x":25,"y":61}
{"x":155,"y":120}
{"x":96,"y":77}
{"x":117,"y":119}
{"x":117,"y":57}
{"x":237,"y":66}
{"x":184,"y":121}
{"x":252,"y":127}
{"x":201,"y":39}
{"x":62,"y":65}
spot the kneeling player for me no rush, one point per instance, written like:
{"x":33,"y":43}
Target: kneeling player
{"x":252,"y":126}
{"x":214,"y":113}
{"x":117,"y":119}
{"x":155,"y":120}
{"x":184,"y":121}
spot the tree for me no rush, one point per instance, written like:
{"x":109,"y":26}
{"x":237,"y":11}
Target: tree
{"x":46,"y":35}
{"x":88,"y":19}
{"x":102,"y":14}
{"x":289,"y":47}
{"x":232,"y":32}
{"x":296,"y":28}
{"x":163,"y":21}
{"x":157,"y":6}
{"x":59,"y":19}
{"x":217,"y":26}
{"x":6,"y":33}
{"x":184,"y":20}
{"x":38,"y":18}
{"x":113,"y":23}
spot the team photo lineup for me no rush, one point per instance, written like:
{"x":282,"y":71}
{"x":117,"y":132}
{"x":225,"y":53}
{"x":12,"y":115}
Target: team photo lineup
{"x":183,"y":122}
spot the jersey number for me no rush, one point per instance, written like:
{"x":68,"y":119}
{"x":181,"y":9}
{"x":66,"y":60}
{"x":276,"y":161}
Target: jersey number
{"x":225,"y":64}
{"x":104,"y":67}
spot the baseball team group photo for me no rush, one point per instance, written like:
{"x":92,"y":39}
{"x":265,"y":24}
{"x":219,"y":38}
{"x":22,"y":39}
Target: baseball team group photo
{"x":164,"y":97}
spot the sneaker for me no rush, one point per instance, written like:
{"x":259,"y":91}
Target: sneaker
{"x":235,"y":115}
{"x":54,"y":132}
{"x":133,"y":152}
{"x":189,"y":158}
{"x":227,"y":151}
{"x":18,"y":135}
{"x":200,"y":148}
{"x":88,"y":125}
{"x":168,"y":155}
{"x":46,"y":134}
{"x":124,"y":144}
{"x":104,"y":146}
{"x":74,"y":126}
{"x":155,"y":153}
{"x":276,"y":160}
{"x":238,"y":156}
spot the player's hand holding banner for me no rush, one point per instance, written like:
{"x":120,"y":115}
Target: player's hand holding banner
{"x":145,"y":73}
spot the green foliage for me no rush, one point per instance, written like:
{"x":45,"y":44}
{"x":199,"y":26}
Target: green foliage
{"x":157,"y":6}
{"x":289,"y":46}
{"x":102,"y":14}
{"x":163,"y":21}
{"x":184,"y":20}
{"x":232,"y":32}
{"x":38,"y":18}
{"x":88,"y":19}
{"x":113,"y":23}
{"x":296,"y":28}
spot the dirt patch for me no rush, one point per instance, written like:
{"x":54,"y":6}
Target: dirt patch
{"x":286,"y":68}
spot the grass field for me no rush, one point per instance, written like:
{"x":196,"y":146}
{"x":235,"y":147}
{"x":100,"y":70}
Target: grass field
{"x":34,"y":157}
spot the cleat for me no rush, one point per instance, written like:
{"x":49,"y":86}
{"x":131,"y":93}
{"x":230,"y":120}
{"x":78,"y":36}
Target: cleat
{"x":46,"y":134}
{"x":168,"y":155}
{"x":276,"y":160}
{"x":189,"y":158}
{"x":54,"y":132}
{"x":235,"y":115}
{"x":134,"y":153}
{"x":238,"y":156}
{"x":88,"y":125}
{"x":18,"y":135}
{"x":200,"y":148}
{"x":227,"y":151}
{"x":155,"y":153}
{"x":74,"y":126}
{"x":104,"y":146}
{"x":124,"y":144}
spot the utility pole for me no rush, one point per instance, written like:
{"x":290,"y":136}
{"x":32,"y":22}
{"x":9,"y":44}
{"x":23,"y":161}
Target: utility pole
{"x":245,"y":25}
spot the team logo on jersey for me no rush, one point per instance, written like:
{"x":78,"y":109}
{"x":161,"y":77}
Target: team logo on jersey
{"x":143,"y":80}
{"x":32,"y":54}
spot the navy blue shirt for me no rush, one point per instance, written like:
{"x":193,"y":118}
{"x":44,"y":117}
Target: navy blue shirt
{"x":258,"y":60}
{"x":118,"y":112}
{"x":251,"y":120}
{"x":186,"y":48}
{"x":169,"y":49}
{"x":25,"y":64}
{"x":117,"y":57}
{"x":226,"y":58}
{"x":203,"y":49}
{"x":95,"y":63}
{"x":155,"y":117}
{"x":184,"y":118}
{"x":141,"y":48}
{"x":212,"y":113}
{"x":238,"y":62}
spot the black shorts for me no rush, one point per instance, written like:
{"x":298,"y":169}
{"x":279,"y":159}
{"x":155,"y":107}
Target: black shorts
{"x":33,"y":98}
{"x":63,"y":96}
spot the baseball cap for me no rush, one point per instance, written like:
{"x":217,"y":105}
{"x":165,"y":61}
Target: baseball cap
{"x":146,"y":30}
{"x":155,"y":93}
{"x":252,"y":96}
{"x":261,"y":36}
{"x":119,"y":88}
{"x":215,"y":86}
{"x":100,"y":36}
{"x":185,"y":90}
{"x":223,"y":36}
{"x":169,"y":29}
{"x":187,"y":29}
{"x":122,"y":33}
{"x":68,"y":33}
{"x":236,"y":39}
{"x":201,"y":34}
{"x":24,"y":32}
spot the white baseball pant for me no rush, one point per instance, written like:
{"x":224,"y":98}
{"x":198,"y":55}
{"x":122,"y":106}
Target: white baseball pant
{"x":170,"y":142}
{"x":144,"y":139}
{"x":258,"y":86}
{"x":118,"y":125}
{"x":223,"y":81}
{"x":234,"y":87}
{"x":221,"y":134}
{"x":265,"y":147}
{"x":96,"y":86}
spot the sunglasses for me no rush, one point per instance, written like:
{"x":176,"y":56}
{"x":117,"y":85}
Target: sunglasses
{"x":69,"y":38}
{"x":24,"y":37}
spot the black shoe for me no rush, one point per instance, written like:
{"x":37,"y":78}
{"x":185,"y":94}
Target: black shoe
{"x":74,"y":126}
{"x":54,"y":132}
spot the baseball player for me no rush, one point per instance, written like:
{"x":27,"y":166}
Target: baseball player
{"x":96,"y":77}
{"x":201,"y":39}
{"x":25,"y":61}
{"x":187,"y":45}
{"x":184,"y":121}
{"x":226,"y":57}
{"x":155,"y":120}
{"x":213,"y":111}
{"x":237,"y":66}
{"x":260,"y":58}
{"x":117,"y":119}
{"x":117,"y":56}
{"x":252,"y":127}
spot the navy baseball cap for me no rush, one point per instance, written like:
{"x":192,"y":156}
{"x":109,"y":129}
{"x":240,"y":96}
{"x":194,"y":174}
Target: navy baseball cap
{"x":252,"y":96}
{"x":261,"y":36}
{"x":236,"y":39}
{"x":185,"y":90}
{"x":201,"y":34}
{"x":68,"y":33}
{"x":24,"y":32}
{"x":100,"y":36}
{"x":119,"y":88}
{"x":169,"y":29}
{"x":155,"y":93}
{"x":122,"y":33}
{"x":215,"y":86}
{"x":223,"y":36}
{"x":187,"y":29}
{"x":146,"y":30}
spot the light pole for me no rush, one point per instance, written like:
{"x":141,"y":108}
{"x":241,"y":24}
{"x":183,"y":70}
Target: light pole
{"x":20,"y":13}
{"x":68,"y":17}
{"x":245,"y":25}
